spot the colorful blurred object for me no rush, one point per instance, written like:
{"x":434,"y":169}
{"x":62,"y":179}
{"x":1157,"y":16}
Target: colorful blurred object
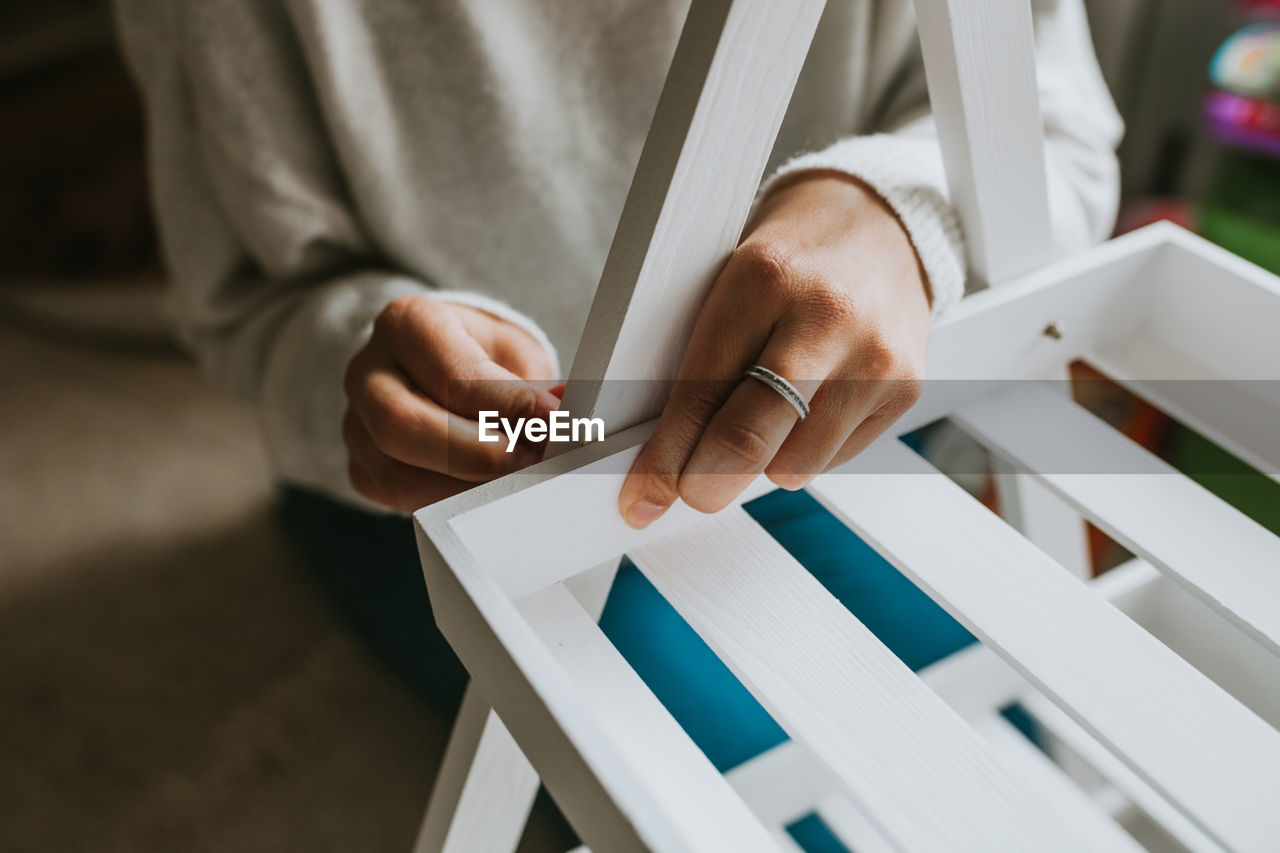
{"x":1243,"y":122}
{"x":1260,"y":8}
{"x":1241,"y":208}
{"x":1248,"y":63}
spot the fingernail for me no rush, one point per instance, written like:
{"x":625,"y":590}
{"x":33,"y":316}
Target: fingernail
{"x":643,"y":513}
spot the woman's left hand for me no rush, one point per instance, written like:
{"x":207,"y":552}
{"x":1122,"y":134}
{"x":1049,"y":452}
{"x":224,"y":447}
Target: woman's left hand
{"x":825,"y":290}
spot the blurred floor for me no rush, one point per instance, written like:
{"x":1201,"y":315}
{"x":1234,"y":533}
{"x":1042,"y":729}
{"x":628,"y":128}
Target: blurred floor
{"x":170,"y":679}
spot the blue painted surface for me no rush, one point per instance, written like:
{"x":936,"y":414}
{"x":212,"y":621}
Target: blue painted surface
{"x":718,"y":713}
{"x":814,"y":836}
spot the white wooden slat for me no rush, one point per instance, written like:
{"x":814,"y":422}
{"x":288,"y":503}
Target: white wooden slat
{"x":1209,"y":304}
{"x":568,"y":523}
{"x":979,"y":58}
{"x":686,"y":786}
{"x":907,"y":760}
{"x":1211,"y":756}
{"x":726,"y":93}
{"x":1022,"y":757}
{"x":1222,"y":556}
{"x":1224,"y":411}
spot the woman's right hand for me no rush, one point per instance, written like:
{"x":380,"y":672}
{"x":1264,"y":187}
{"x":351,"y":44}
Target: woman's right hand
{"x":414,"y":392}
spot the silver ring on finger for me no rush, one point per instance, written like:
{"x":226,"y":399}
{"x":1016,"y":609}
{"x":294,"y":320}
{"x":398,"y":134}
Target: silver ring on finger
{"x":784,"y":388}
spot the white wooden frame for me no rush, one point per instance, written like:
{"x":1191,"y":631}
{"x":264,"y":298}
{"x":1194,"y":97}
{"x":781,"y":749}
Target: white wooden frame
{"x":1195,"y":755}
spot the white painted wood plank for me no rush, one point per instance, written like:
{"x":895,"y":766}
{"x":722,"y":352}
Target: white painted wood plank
{"x":1222,"y":556}
{"x":909,"y":763}
{"x":1215,"y":307}
{"x":979,"y":58}
{"x":684,"y":783}
{"x":1201,"y":748}
{"x":1022,"y":757}
{"x":567,"y":524}
{"x":484,"y":788}
{"x":1230,"y":413}
{"x":726,"y":93}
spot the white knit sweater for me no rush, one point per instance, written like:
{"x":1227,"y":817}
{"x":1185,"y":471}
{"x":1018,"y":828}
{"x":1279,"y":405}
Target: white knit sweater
{"x":315,"y":159}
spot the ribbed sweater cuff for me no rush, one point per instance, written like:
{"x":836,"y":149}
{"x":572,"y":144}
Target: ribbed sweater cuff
{"x":907,"y":173}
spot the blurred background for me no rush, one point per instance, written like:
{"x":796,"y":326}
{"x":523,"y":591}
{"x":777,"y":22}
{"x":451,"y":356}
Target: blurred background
{"x":169,"y":677}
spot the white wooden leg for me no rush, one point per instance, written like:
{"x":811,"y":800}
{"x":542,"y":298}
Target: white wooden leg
{"x":486,"y":787}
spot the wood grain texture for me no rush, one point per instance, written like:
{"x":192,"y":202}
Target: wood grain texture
{"x":1211,"y":756}
{"x":907,"y":761}
{"x":980,"y":63}
{"x":1222,"y":556}
{"x":726,"y":93}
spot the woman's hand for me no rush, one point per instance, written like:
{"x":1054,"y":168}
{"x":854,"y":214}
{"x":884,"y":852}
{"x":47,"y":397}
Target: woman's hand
{"x":414,"y":392}
{"x":826,"y":291}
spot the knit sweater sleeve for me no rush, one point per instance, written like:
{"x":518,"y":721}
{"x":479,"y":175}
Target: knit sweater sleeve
{"x":899,"y":157}
{"x":275,"y":285}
